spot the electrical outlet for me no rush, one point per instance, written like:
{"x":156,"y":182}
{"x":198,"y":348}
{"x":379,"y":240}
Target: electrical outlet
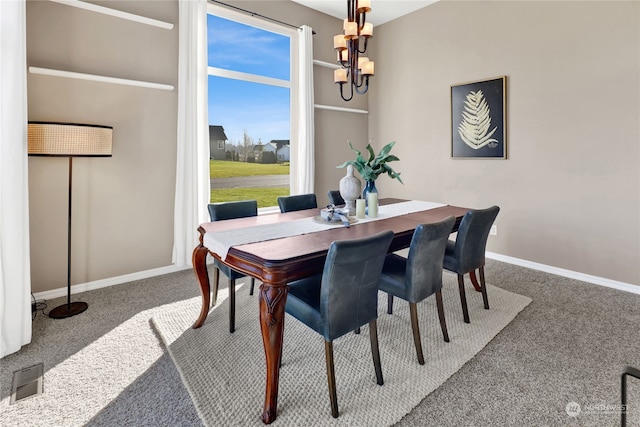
{"x":494,"y":230}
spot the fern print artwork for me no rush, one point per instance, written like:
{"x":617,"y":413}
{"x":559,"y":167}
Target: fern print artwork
{"x":478,"y":121}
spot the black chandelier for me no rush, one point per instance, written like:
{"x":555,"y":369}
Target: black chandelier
{"x":355,"y":69}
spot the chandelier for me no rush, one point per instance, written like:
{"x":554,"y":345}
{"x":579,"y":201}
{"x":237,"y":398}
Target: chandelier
{"x":355,"y":69}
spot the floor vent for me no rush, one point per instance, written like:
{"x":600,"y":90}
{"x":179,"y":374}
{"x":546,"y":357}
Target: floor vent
{"x":26,"y":382}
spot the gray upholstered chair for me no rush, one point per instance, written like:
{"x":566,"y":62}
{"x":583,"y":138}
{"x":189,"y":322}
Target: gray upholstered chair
{"x":343,"y":298}
{"x":419,"y":276}
{"x":297,"y":203}
{"x":221,"y":212}
{"x":335,"y":198}
{"x":467,"y":253}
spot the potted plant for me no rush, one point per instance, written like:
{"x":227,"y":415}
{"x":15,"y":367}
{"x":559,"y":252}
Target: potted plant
{"x":375,"y":166}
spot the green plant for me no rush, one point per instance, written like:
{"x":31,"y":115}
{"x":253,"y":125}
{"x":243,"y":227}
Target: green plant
{"x":376,"y":165}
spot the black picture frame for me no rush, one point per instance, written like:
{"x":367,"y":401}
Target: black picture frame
{"x":478,"y":119}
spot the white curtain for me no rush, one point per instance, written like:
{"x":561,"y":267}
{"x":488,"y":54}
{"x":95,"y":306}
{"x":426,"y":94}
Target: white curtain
{"x":303,"y":162}
{"x":192,"y":170}
{"x":15,"y":276}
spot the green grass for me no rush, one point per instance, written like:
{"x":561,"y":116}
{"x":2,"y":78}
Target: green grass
{"x":266,"y":196}
{"x":226,"y":169}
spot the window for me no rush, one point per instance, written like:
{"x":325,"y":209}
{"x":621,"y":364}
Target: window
{"x":250,"y":92}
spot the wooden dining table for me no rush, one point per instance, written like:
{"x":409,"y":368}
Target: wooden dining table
{"x":280,"y":261}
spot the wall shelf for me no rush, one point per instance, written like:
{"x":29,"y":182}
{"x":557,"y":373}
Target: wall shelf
{"x":116,"y":13}
{"x":347,"y":110}
{"x":326,"y":64}
{"x":97,"y":78}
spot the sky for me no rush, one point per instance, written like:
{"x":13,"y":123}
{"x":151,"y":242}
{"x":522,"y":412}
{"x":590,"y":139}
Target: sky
{"x":261,"y":110}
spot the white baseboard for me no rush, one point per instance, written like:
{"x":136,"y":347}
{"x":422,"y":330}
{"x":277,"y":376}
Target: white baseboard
{"x":111,"y":281}
{"x":628,"y":287}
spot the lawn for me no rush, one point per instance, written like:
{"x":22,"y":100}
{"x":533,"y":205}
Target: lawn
{"x":226,"y":169}
{"x":266,"y":196}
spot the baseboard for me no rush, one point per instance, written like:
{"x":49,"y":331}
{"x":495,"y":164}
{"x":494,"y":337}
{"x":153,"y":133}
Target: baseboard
{"x":628,"y":287}
{"x":111,"y":281}
{"x":103,"y":283}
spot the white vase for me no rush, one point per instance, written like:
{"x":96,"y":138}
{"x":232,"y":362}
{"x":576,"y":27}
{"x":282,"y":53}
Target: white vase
{"x":350,"y":190}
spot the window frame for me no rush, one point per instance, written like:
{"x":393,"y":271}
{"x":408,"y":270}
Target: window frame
{"x":292,"y":84}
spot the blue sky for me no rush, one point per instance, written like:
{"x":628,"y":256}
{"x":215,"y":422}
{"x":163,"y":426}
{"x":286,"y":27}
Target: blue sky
{"x":262,"y":110}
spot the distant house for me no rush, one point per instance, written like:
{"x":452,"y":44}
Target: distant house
{"x":279,"y":147}
{"x":217,"y":140}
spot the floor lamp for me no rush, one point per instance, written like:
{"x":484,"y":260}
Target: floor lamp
{"x":69,"y":140}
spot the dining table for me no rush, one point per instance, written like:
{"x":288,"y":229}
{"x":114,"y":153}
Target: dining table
{"x":279,"y":248}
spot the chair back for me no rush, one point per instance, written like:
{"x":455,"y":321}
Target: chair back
{"x":471,"y":242}
{"x":335,"y":198}
{"x":297,"y":203}
{"x":349,"y":289}
{"x":423,"y":275}
{"x":232,"y":210}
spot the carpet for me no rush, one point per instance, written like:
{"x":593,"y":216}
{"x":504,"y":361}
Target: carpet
{"x":225,"y":373}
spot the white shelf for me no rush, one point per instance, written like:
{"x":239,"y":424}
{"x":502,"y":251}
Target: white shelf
{"x":347,"y":110}
{"x":97,"y":78}
{"x":326,"y":64}
{"x":117,"y":13}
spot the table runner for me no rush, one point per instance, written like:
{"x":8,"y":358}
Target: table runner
{"x":220,"y":242}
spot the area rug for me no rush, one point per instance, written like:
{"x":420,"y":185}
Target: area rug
{"x":225,"y":373}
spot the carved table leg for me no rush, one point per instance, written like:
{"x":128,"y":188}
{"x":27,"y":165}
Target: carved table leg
{"x":199,"y":260}
{"x":272,"y":305}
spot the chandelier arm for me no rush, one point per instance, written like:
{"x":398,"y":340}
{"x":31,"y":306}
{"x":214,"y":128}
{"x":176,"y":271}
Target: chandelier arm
{"x":364,"y":81}
{"x":342,"y":94}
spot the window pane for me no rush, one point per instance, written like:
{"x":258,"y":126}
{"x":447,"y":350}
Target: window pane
{"x":261,"y":110}
{"x":240,"y":47}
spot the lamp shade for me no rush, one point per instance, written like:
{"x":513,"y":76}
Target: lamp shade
{"x":69,"y":140}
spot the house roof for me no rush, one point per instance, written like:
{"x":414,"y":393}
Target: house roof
{"x":279,"y":142}
{"x":216,"y":133}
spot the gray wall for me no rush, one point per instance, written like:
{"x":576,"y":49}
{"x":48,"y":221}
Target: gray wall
{"x":122,"y":205}
{"x":569,"y":192}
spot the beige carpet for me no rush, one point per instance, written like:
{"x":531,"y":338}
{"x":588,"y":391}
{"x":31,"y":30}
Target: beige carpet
{"x":225,"y":373}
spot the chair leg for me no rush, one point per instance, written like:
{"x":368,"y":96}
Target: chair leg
{"x":375,"y":351}
{"x":474,"y":281}
{"x":331,"y":378}
{"x":389,"y":304}
{"x":483,"y":287}
{"x":216,"y":282}
{"x":357,"y":331}
{"x":232,"y":305}
{"x":253,"y":284}
{"x":443,"y":322}
{"x":463,"y":298}
{"x":413,"y":311}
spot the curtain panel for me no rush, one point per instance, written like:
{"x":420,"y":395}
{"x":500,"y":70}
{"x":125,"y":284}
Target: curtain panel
{"x":303,"y":162}
{"x":192,"y":169}
{"x":15,"y":275}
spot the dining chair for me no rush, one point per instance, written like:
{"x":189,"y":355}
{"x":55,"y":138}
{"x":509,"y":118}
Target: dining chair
{"x":297,"y":202}
{"x":343,"y":298}
{"x":335,"y":198}
{"x":467,"y":253}
{"x":419,"y":276}
{"x":221,"y":212}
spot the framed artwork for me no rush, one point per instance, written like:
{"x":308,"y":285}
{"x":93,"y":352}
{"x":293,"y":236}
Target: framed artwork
{"x":478,"y":119}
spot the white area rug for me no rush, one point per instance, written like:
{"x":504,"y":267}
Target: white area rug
{"x":225,"y":373}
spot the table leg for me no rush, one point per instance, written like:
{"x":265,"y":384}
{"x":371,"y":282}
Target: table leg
{"x":199,"y":260}
{"x":272,"y":307}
